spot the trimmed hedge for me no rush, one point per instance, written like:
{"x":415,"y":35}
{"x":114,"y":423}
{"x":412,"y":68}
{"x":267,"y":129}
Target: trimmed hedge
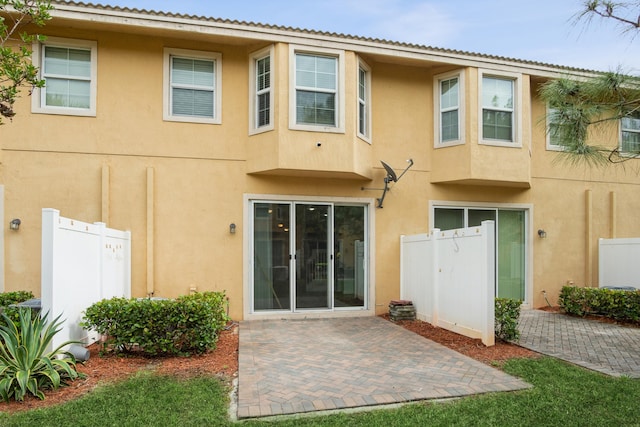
{"x":188,"y":324}
{"x":8,"y":298}
{"x":506,"y":319}
{"x":615,"y":304}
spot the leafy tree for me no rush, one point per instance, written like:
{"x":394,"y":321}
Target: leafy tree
{"x":586,"y":108}
{"x":16,"y":69}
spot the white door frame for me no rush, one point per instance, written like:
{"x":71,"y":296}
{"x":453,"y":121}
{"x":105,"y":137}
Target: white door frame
{"x":369,"y":309}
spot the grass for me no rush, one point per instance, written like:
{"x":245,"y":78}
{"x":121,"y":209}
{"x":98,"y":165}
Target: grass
{"x":143,"y":400}
{"x":563,"y":395}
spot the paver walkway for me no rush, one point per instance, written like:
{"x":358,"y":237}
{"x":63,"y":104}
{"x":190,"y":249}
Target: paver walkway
{"x":603,"y":347}
{"x":297,"y":366}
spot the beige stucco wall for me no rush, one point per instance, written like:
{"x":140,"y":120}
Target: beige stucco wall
{"x":129,"y":168}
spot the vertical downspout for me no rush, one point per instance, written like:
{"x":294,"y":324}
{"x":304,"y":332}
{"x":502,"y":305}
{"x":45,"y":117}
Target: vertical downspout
{"x":106,"y":192}
{"x":612,"y":215}
{"x":150,"y":232}
{"x":588,"y":230}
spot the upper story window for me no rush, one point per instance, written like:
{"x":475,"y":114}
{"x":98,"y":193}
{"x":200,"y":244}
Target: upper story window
{"x":192,"y":89}
{"x":317,"y":90}
{"x":69,"y":68}
{"x":554,"y":139}
{"x":449,"y":109}
{"x":630,"y":134}
{"x":364,"y":101}
{"x":497,"y":109}
{"x":261,"y":114}
{"x":500,"y":108}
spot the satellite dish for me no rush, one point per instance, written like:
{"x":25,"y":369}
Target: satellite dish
{"x":391,"y":174}
{"x":391,"y":177}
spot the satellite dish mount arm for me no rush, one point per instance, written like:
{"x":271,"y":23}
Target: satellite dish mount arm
{"x":391,"y":177}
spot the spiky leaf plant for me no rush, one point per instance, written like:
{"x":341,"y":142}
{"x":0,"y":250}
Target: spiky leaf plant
{"x":25,"y":364}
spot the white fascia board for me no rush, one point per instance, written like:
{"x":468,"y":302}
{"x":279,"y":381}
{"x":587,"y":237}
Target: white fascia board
{"x":274,"y":34}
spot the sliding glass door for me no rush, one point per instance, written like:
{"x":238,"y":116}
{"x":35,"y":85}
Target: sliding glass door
{"x":308,"y":256}
{"x":349,"y":250}
{"x":271,"y":256}
{"x":312,"y":256}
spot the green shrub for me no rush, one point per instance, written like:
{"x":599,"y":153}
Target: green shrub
{"x":160,"y":327}
{"x":8,"y":298}
{"x":25,"y":364}
{"x":615,"y":304}
{"x":507,"y":313}
{"x":8,"y":301}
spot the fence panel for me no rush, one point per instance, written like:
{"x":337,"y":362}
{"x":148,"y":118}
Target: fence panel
{"x":416,"y":258}
{"x":82,"y":263}
{"x":450,"y":277}
{"x":617,"y":262}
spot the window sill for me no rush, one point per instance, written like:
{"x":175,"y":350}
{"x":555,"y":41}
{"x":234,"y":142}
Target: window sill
{"x":315,"y":128}
{"x":262,"y":129}
{"x":364,"y":138}
{"x":65,"y":111}
{"x":448,"y":144}
{"x":497,"y":143}
{"x":555,"y":148}
{"x":196,"y":120}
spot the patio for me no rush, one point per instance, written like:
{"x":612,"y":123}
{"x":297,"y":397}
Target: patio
{"x":288,"y":367}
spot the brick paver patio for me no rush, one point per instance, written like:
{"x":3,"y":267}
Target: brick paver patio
{"x":607,"y":348}
{"x":292,"y":366}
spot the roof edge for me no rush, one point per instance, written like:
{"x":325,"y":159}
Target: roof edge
{"x":245,"y":29}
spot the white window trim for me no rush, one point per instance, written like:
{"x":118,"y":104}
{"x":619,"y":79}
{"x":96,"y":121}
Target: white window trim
{"x":166,"y":85}
{"x":367,"y":101}
{"x":339,"y":54}
{"x":253,"y":114}
{"x":437,"y":137}
{"x":551,"y":146}
{"x":624,"y":153}
{"x":517,"y":108}
{"x":37,"y":60}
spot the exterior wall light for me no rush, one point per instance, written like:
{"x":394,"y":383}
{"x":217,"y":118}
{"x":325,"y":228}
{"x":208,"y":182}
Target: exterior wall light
{"x":15,"y":224}
{"x":542,"y":234}
{"x":232,"y":228}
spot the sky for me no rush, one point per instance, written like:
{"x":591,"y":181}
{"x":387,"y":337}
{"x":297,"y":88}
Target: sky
{"x":536,"y":30}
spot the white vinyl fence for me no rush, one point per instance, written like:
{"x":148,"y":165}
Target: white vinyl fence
{"x":450,"y":278}
{"x":617,"y":262}
{"x":82,"y":263}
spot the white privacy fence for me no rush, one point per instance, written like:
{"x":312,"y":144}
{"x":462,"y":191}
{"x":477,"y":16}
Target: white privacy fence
{"x":450,"y":278}
{"x":82,"y":263}
{"x":617,"y":262}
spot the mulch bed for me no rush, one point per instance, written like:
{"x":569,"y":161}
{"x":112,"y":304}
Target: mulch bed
{"x":99,"y":369}
{"x":473,"y":348}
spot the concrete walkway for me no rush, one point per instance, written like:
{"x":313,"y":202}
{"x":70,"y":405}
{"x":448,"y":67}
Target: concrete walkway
{"x":295,"y":366}
{"x":603,"y":347}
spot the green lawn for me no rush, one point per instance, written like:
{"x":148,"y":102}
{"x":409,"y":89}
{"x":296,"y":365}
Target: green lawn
{"x":563,"y":395}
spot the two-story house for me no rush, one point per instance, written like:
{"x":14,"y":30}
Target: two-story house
{"x":247,"y":158}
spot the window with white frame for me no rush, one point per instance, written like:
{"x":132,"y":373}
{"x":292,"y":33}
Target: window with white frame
{"x":554,"y":138}
{"x":498,"y":109}
{"x":449,"y":109}
{"x":69,"y":69}
{"x":261,"y":102}
{"x":192,"y":88}
{"x":364,"y":103}
{"x":630,"y":134}
{"x":317,"y":87}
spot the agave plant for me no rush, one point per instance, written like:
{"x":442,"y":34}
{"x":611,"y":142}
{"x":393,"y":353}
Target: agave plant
{"x":25,"y":364}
